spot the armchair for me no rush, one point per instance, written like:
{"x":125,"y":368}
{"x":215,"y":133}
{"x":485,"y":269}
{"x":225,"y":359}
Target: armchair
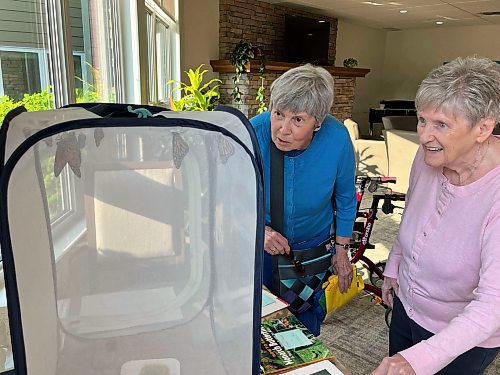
{"x":371,"y":155}
{"x":402,"y":146}
{"x":392,"y":156}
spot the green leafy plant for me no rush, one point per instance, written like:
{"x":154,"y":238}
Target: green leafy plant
{"x":196,"y":96}
{"x":38,"y":101}
{"x":6,"y":105}
{"x":350,"y":62}
{"x":43,"y":100}
{"x":93,"y":92}
{"x":241,"y":55}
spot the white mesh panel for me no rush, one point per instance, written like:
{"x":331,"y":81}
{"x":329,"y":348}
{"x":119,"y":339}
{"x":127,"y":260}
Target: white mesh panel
{"x":152,"y":262}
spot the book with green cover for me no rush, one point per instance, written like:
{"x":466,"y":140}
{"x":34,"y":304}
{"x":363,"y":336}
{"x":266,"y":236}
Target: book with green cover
{"x":286,"y":343}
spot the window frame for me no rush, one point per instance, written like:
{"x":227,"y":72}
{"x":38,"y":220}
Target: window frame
{"x":160,"y":15}
{"x":42,"y":64}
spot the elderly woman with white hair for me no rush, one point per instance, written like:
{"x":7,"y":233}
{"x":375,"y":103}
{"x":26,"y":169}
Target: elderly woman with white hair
{"x":319,"y":168}
{"x":441,"y":277}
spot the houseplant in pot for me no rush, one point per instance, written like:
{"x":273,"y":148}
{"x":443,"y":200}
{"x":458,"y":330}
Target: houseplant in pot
{"x":241,"y":54}
{"x":195,"y":95}
{"x":350,"y":62}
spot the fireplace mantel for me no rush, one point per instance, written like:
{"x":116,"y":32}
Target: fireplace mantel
{"x":224,"y":66}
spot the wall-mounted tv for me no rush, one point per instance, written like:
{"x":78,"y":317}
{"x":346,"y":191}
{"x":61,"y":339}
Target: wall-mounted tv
{"x":306,"y":40}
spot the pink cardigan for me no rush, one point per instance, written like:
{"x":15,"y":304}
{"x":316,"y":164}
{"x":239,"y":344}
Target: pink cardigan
{"x":447,"y":262}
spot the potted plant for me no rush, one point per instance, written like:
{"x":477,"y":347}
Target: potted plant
{"x":197,"y":95}
{"x":241,"y":54}
{"x":350,"y":62}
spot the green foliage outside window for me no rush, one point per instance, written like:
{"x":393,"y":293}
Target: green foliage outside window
{"x":43,"y":100}
{"x":91,"y":93}
{"x":6,"y":105}
{"x":38,"y":101}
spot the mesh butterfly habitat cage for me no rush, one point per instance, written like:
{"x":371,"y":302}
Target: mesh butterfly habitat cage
{"x":131,"y":245}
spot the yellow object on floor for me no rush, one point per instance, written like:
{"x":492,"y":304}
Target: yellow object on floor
{"x":335,"y":299}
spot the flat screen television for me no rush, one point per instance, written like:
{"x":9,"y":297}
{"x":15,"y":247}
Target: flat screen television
{"x":306,"y":40}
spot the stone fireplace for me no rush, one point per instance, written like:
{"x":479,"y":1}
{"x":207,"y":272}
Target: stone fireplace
{"x":262,"y":23}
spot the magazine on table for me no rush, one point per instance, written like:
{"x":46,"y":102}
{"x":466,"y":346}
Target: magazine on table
{"x":271,"y":303}
{"x":286,"y":343}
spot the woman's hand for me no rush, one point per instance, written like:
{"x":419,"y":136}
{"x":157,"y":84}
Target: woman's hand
{"x":343,"y":268}
{"x":275,"y":243}
{"x":390,"y":288}
{"x":394,"y":365}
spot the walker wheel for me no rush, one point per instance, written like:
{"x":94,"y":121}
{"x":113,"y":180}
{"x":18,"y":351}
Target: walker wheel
{"x":374,"y":279}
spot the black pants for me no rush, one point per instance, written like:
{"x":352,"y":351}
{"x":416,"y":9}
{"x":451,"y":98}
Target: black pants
{"x":404,"y":333}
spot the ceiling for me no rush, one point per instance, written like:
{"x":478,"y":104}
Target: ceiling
{"x":420,"y":13}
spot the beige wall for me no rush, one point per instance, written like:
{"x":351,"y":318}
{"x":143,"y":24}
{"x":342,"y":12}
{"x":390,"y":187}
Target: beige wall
{"x":411,"y":54}
{"x":366,"y":45}
{"x":199,"y":30}
{"x":399,"y":60}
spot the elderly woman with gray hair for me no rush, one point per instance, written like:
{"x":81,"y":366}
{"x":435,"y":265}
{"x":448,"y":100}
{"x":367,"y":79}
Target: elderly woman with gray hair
{"x":319,"y":169}
{"x":441,"y":277}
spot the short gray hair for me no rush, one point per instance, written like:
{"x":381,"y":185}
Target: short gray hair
{"x":306,"y":88}
{"x":467,"y":86}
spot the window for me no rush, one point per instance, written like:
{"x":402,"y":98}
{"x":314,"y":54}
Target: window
{"x":161,"y":50}
{"x":95,"y":41}
{"x":103,"y":49}
{"x":26,"y":71}
{"x":20,"y":72}
{"x":23,"y":51}
{"x":33,"y":57}
{"x":58,"y":52}
{"x":163,"y":60}
{"x":169,"y":7}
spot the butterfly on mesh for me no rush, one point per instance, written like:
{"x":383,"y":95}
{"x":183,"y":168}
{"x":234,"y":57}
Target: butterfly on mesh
{"x":68,"y":152}
{"x":179,"y":149}
{"x":98,"y":136}
{"x":225,"y":148}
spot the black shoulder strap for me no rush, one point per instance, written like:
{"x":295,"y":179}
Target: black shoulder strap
{"x":277,"y":203}
{"x":277,"y":186}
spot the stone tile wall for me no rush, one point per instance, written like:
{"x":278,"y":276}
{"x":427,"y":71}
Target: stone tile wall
{"x":263,"y":24}
{"x":249,"y":83}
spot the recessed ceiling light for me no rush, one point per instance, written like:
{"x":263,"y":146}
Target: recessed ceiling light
{"x":439,"y":22}
{"x":403,"y":11}
{"x":321,"y":21}
{"x":372,"y":3}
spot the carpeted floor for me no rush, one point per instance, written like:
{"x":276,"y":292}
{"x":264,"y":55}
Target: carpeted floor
{"x":357,"y":334}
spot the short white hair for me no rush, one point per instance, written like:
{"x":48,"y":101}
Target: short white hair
{"x":306,"y":88}
{"x":467,"y":86}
